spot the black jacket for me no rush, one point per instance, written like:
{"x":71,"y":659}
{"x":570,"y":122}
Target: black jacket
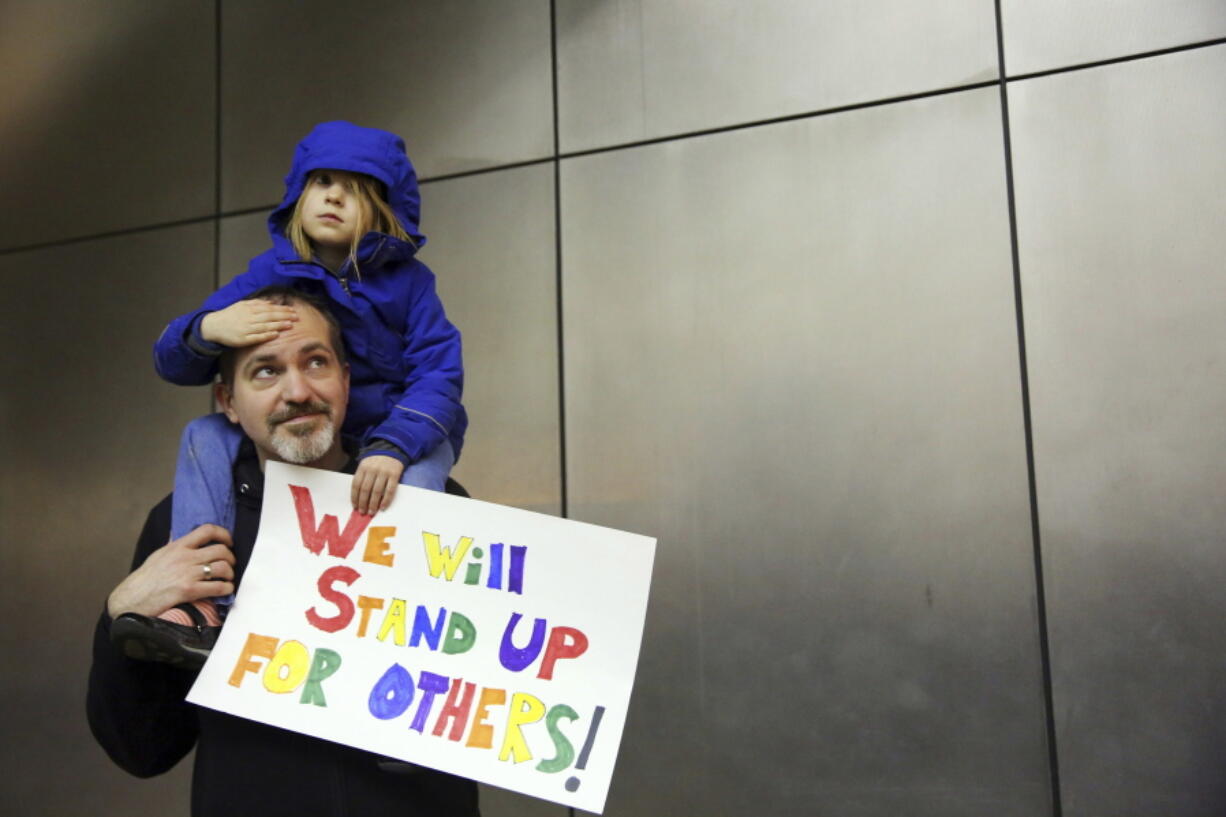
{"x":138,"y":714}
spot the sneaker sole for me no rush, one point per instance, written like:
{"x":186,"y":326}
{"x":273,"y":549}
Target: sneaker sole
{"x":138,"y":643}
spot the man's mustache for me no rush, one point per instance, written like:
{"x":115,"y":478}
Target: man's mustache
{"x":298,"y":410}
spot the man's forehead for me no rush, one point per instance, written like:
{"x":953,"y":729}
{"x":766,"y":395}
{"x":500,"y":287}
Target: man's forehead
{"x":265,"y":353}
{"x":310,"y":333}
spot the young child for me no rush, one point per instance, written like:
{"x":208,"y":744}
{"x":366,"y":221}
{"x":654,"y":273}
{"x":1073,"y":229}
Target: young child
{"x":347,"y":229}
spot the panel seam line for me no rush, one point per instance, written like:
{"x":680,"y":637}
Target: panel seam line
{"x":1028,"y":432}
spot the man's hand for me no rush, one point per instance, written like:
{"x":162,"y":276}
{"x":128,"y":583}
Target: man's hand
{"x":174,"y":574}
{"x":374,"y":483}
{"x":246,"y":323}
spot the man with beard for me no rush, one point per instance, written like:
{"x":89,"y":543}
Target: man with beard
{"x":289,"y":395}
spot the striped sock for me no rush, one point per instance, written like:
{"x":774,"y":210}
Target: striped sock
{"x":207,"y":608}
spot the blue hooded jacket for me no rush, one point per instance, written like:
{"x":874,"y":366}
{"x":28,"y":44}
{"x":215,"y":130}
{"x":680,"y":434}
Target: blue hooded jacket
{"x":406,"y":368}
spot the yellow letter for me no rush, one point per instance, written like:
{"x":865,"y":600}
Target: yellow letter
{"x":287,"y":668}
{"x":394,"y":618}
{"x":525,"y":709}
{"x":444,"y":560}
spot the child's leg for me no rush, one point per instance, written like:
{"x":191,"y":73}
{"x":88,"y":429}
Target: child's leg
{"x":430,"y":471}
{"x":204,"y":493}
{"x":204,"y":479}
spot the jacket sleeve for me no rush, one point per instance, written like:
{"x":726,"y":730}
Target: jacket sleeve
{"x":429,"y":407}
{"x":180,"y":355}
{"x":136,"y":709}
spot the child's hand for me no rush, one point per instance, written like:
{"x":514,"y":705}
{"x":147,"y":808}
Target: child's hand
{"x":246,"y":323}
{"x":374,"y":483}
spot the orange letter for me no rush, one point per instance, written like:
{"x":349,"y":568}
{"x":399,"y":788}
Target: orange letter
{"x":482,"y":734}
{"x":366,"y":604}
{"x":262,"y":645}
{"x":376,"y":546}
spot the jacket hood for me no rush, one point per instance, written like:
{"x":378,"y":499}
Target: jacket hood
{"x":345,"y":146}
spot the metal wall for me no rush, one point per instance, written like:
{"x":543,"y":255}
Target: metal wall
{"x":780,"y":283}
{"x":1125,"y":295}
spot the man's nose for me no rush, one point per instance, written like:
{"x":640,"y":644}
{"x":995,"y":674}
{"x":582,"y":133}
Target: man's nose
{"x":294,"y":387}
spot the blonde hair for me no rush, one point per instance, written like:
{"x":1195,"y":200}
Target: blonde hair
{"x":374,"y":214}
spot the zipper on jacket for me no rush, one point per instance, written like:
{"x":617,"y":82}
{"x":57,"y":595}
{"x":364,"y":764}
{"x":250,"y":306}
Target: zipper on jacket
{"x":343,"y":280}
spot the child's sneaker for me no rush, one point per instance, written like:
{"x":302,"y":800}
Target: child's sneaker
{"x":152,"y":639}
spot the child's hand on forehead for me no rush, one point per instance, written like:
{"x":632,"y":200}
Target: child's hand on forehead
{"x":246,"y":323}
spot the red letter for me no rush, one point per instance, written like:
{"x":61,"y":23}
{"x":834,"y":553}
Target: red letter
{"x":457,"y":712}
{"x":560,"y":647}
{"x":339,"y":544}
{"x":344,"y":575}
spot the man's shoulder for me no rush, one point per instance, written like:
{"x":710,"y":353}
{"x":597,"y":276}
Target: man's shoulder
{"x":156,"y":531}
{"x":160,"y":512}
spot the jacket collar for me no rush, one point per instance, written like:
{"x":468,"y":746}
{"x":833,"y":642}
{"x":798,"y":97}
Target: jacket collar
{"x":249,"y":477}
{"x":375,"y":251}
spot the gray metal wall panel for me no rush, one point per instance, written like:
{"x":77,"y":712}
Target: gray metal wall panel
{"x":636,"y":69}
{"x":89,"y":447}
{"x":1120,"y":173}
{"x":106,"y":116}
{"x":467,"y":85}
{"x":1044,"y":34}
{"x":492,"y":247}
{"x":791,"y":354}
{"x":241,"y":239}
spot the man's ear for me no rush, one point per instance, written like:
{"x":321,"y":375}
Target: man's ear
{"x":225,"y":399}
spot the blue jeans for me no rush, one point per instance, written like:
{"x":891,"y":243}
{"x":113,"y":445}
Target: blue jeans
{"x":204,"y":476}
{"x":431,"y":471}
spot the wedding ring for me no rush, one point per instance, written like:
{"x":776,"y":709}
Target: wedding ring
{"x":208,"y":572}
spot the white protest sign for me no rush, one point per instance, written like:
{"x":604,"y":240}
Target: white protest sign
{"x":481,"y":640}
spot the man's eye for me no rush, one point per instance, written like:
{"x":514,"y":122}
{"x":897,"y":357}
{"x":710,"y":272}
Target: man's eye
{"x":317,"y":362}
{"x":264,"y":373}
